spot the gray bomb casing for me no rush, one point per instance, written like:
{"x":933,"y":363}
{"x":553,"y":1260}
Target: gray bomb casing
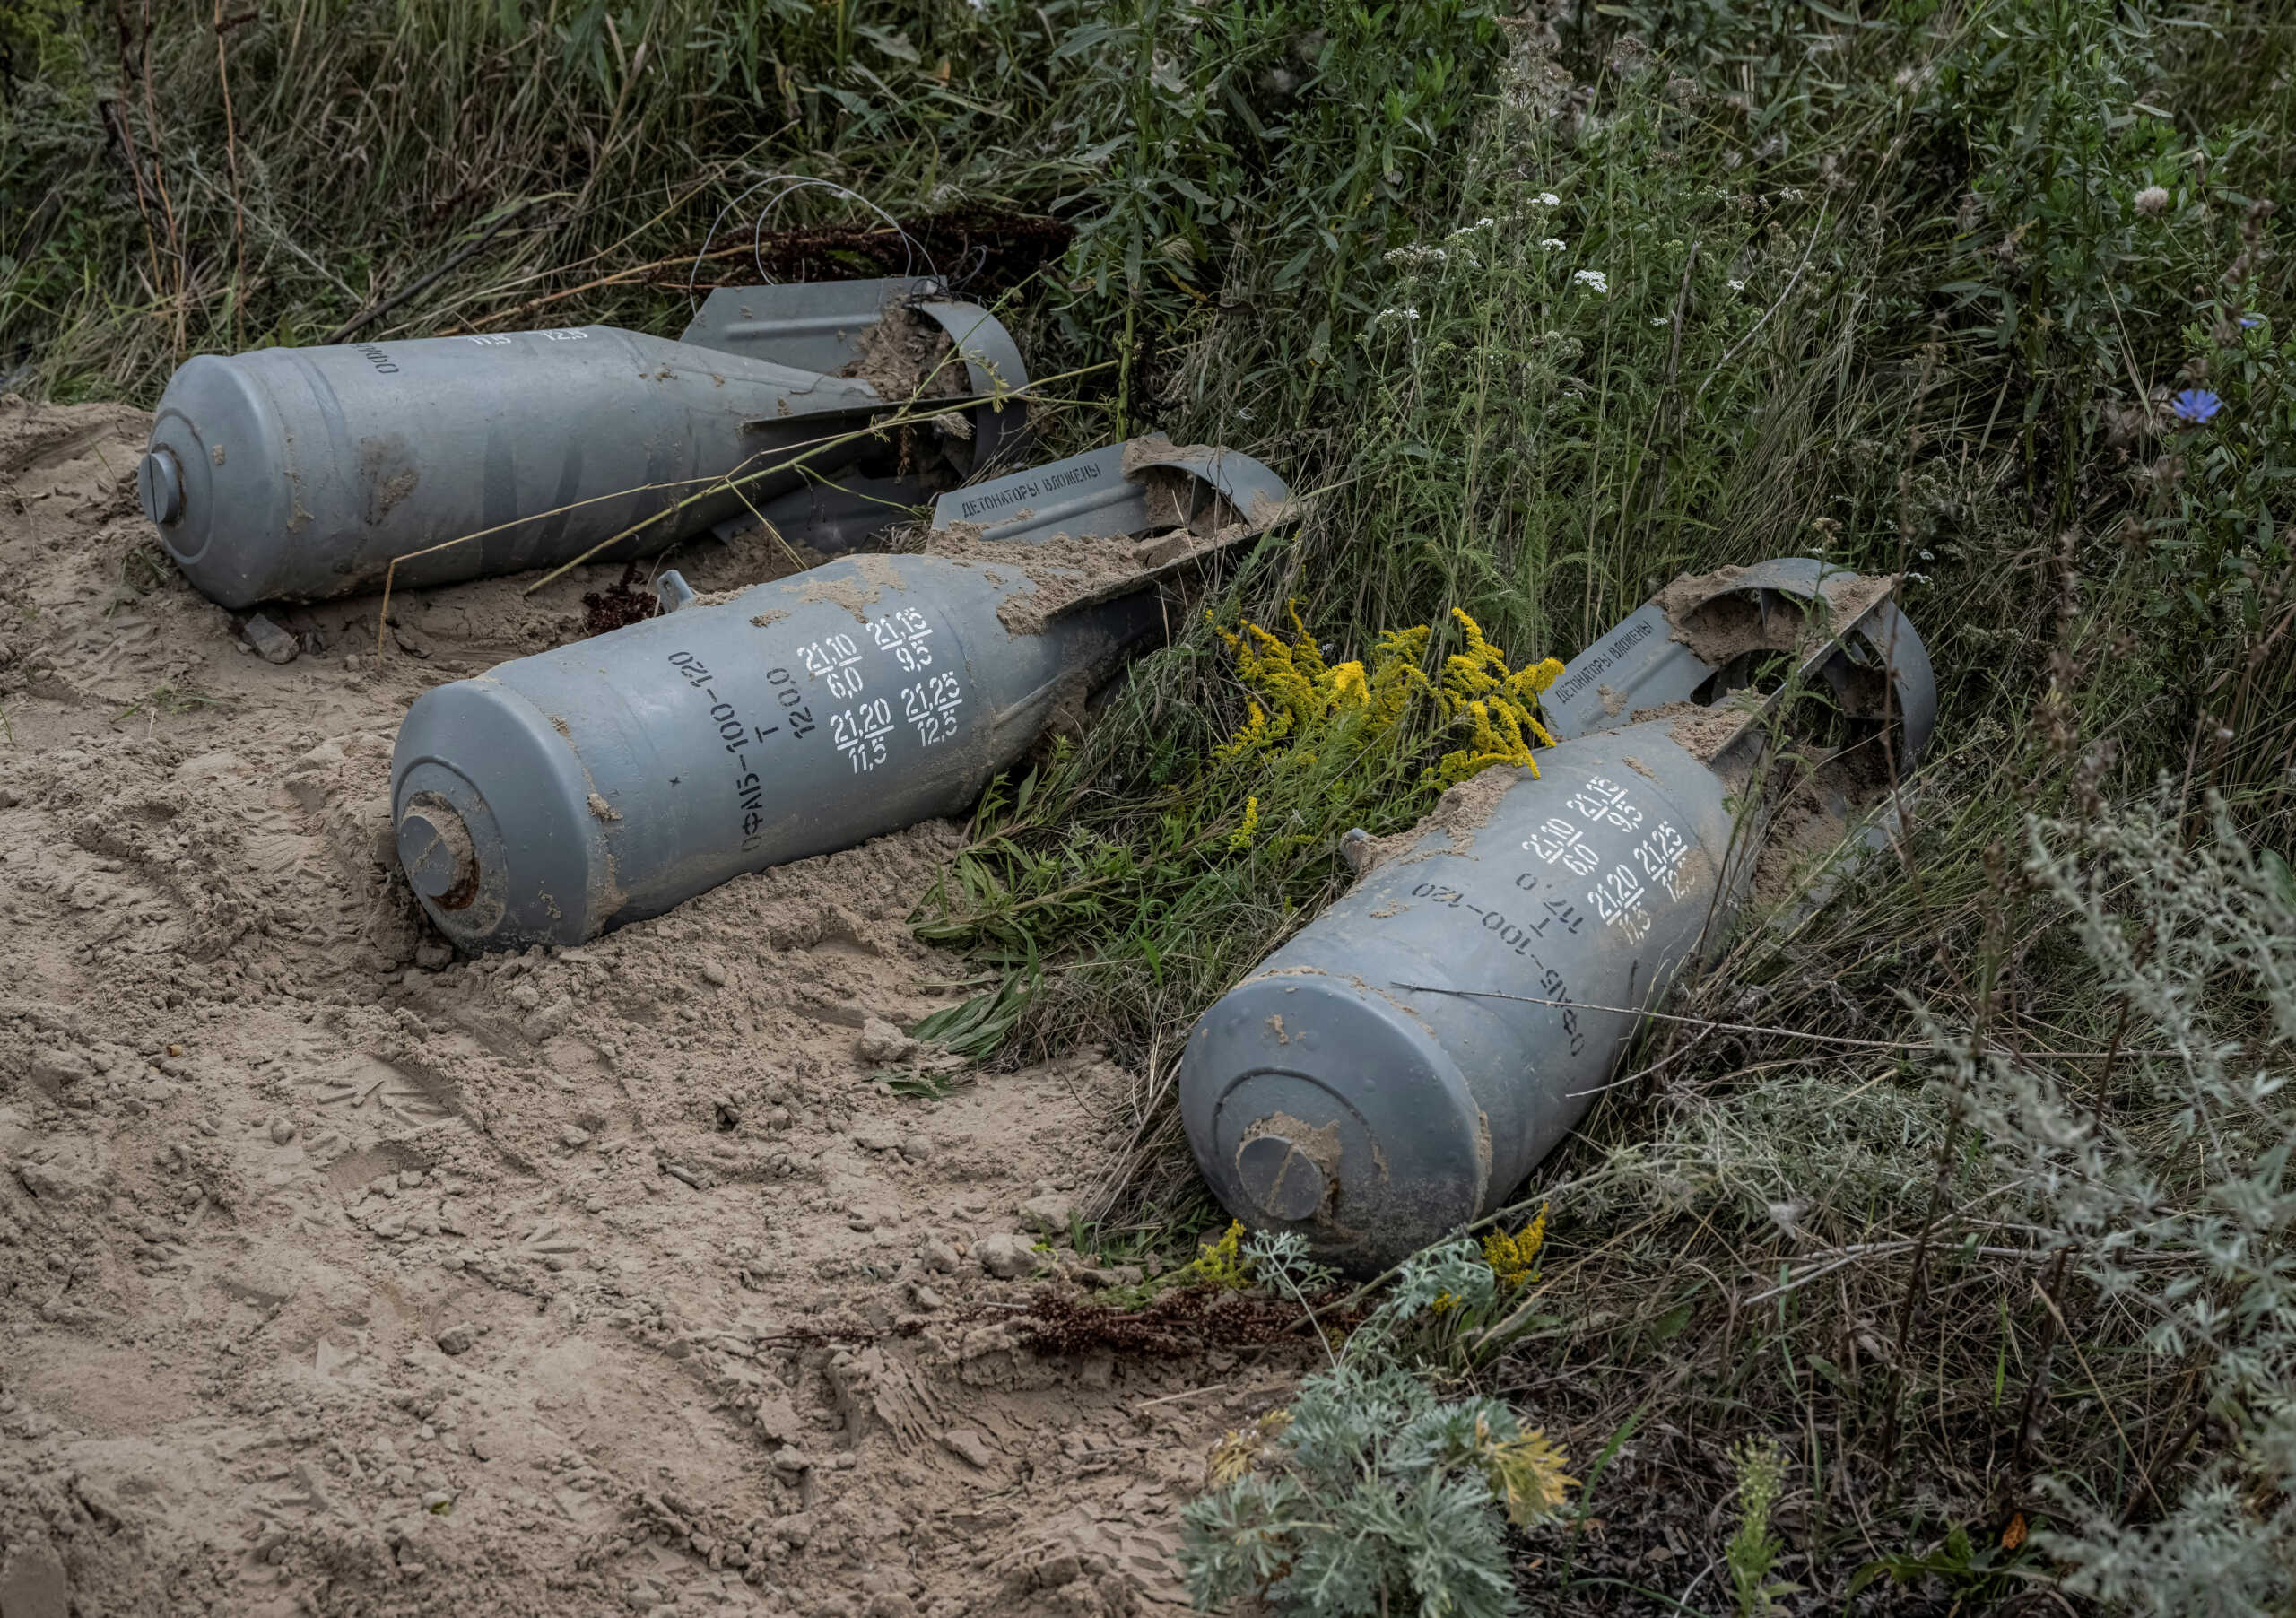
{"x":1322,"y":1095}
{"x":608,"y":781}
{"x":1397,"y":1069}
{"x":301,"y":473}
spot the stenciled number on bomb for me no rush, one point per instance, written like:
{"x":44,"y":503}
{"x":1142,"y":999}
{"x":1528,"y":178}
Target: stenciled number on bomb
{"x":1514,"y":932}
{"x":737,"y":736}
{"x":1558,"y":991}
{"x":794,"y":708}
{"x":1559,"y":841}
{"x":1617,"y":899}
{"x":1661,"y":855}
{"x":834,"y":660}
{"x":931,"y":706}
{"x":1559,"y":912}
{"x":1616,"y":896}
{"x":904,"y":634}
{"x":1604,"y":803}
{"x":860,"y":733}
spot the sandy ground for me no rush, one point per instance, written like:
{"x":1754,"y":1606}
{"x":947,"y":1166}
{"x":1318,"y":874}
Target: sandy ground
{"x":339,"y":1275}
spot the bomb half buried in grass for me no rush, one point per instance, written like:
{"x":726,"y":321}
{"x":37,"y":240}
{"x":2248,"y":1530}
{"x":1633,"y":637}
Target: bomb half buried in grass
{"x":560,"y":794}
{"x":1396,"y":1070}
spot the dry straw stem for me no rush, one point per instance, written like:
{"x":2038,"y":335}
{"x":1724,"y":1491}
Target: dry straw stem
{"x":713,"y":486}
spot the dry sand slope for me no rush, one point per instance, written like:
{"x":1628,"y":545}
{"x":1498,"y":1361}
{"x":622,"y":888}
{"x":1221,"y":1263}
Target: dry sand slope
{"x":339,"y":1276}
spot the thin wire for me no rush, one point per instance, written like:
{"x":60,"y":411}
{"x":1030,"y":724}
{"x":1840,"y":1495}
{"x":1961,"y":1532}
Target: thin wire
{"x":790,"y":184}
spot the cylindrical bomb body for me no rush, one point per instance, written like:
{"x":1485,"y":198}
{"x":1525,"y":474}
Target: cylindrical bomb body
{"x":1324,"y":1095}
{"x":299,"y":473}
{"x":608,"y":781}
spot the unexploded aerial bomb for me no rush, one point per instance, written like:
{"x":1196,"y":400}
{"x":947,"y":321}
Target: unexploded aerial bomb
{"x":299,"y":473}
{"x":1399,"y":1067}
{"x":608,"y":781}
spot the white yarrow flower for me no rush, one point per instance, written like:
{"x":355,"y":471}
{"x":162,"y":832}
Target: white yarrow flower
{"x":1738,"y":286}
{"x":1548,"y":199}
{"x":1662,"y":319}
{"x":1554,"y":244}
{"x":1594,"y":280}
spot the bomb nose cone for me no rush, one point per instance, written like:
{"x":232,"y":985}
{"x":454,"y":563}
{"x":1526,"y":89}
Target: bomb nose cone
{"x":1279,"y":1176}
{"x":159,"y":484}
{"x":435,"y":847}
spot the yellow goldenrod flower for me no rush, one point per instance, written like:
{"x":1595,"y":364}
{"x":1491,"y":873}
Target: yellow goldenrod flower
{"x":1495,"y":703}
{"x":1241,"y":837}
{"x":1514,"y":1259}
{"x":1363,"y":700}
{"x":1222,"y":1262}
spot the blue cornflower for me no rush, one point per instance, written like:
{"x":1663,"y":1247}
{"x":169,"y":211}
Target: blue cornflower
{"x":2197,"y":405}
{"x":2249,"y":323}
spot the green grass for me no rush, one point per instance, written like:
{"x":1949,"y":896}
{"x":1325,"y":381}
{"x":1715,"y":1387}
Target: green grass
{"x":1877,"y":285}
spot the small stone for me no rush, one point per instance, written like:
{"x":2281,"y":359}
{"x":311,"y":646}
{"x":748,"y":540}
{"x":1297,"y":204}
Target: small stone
{"x":1063,"y":1568}
{"x":572,"y":1138}
{"x":482,"y":1447}
{"x":1006,"y":1254}
{"x":550,"y":1019}
{"x":926,"y":1297}
{"x":438,"y":1500}
{"x":1049,"y":1214}
{"x":716,"y":973}
{"x":969,"y":1447}
{"x":457,"y":1339}
{"x":282,"y":1132}
{"x":777,"y":1419}
{"x":271,"y":643}
{"x":432,"y":954}
{"x":883,"y":1044}
{"x":55,"y":1071}
{"x":937,"y":1255}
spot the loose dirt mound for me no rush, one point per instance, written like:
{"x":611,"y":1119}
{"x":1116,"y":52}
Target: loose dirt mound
{"x":338,"y":1276}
